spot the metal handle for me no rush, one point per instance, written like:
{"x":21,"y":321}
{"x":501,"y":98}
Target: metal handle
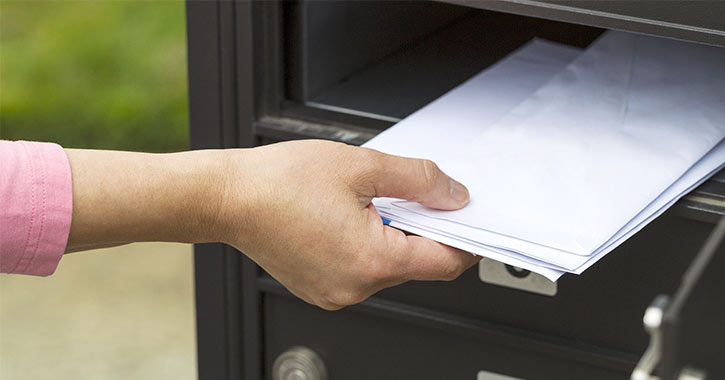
{"x":652,"y":321}
{"x":299,"y":363}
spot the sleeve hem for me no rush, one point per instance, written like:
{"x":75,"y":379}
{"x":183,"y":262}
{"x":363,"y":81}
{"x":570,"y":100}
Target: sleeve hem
{"x":51,"y":209}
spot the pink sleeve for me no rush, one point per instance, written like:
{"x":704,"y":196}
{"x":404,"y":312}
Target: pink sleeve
{"x":36,"y":206}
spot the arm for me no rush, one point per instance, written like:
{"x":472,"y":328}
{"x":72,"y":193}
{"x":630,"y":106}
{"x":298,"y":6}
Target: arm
{"x":122,"y":197}
{"x":301,"y":210}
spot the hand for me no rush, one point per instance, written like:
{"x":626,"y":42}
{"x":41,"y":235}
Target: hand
{"x":302,"y":210}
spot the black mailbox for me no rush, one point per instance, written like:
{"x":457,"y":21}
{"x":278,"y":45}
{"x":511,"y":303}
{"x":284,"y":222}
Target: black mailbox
{"x":268,"y":71}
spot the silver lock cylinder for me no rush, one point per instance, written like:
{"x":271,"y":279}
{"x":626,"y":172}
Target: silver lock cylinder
{"x":299,"y":363}
{"x":497,"y":273}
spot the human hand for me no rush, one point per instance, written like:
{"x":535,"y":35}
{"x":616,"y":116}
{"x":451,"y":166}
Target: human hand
{"x":302,"y":210}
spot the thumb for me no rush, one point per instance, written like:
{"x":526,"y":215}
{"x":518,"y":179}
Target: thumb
{"x":416,"y":180}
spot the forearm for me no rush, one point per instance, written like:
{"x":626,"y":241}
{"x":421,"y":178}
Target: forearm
{"x":121,"y":197}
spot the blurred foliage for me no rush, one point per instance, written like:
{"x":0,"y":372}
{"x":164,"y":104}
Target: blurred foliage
{"x":94,"y":74}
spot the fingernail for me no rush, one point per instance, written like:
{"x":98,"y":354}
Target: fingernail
{"x":458,"y":192}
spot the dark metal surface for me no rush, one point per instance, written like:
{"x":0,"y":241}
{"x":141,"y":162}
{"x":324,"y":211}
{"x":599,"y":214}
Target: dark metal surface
{"x":707,"y":202}
{"x":422,"y":71}
{"x":498,"y":334}
{"x":696,"y":21}
{"x":295,"y":129}
{"x":384,"y":340}
{"x":693,"y":332}
{"x":363,"y":35}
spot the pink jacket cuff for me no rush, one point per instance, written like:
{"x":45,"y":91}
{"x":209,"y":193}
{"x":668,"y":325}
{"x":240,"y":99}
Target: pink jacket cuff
{"x":36,"y":206}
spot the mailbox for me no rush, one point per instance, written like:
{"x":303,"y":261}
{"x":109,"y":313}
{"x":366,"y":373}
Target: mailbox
{"x":269,"y":71}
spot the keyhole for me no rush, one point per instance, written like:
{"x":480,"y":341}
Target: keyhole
{"x":517,"y":272}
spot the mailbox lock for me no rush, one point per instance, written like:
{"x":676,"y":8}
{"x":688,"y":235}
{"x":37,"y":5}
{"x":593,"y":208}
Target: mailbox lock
{"x":299,"y":363}
{"x":517,"y":272}
{"x":497,"y":273}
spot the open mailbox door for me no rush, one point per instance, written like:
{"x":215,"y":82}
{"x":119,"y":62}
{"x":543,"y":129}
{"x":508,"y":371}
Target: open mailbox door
{"x":686,"y":330}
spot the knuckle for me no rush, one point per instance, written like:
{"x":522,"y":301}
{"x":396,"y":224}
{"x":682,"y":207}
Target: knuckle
{"x":346,"y":298}
{"x":364,"y":166}
{"x":335,"y":298}
{"x":369,"y":160}
{"x":375,"y":270}
{"x":329,"y":306}
{"x":431,"y":173}
{"x":461,"y":267}
{"x":454,"y":270}
{"x":356,"y":298}
{"x":331,"y":301}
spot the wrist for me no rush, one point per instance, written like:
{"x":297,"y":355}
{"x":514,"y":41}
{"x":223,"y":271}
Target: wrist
{"x":204,"y":221}
{"x":234,"y":211}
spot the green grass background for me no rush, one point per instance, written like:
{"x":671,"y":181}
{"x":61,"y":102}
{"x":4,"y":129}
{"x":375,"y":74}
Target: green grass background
{"x":94,"y":74}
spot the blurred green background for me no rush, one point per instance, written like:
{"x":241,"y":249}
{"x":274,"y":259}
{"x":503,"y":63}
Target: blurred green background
{"x":94,"y":74}
{"x":98,"y":74}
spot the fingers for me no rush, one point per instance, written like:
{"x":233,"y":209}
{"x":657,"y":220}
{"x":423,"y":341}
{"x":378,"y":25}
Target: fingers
{"x":406,"y":258}
{"x":426,"y":260}
{"x":415,"y":180}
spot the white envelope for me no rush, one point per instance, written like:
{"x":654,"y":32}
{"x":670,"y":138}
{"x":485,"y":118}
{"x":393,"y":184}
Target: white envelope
{"x":577,"y":160}
{"x":709,"y":165}
{"x":434,"y":130}
{"x":496,"y":91}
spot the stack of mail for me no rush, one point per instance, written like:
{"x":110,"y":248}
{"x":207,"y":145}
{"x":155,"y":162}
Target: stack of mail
{"x":566,"y":154}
